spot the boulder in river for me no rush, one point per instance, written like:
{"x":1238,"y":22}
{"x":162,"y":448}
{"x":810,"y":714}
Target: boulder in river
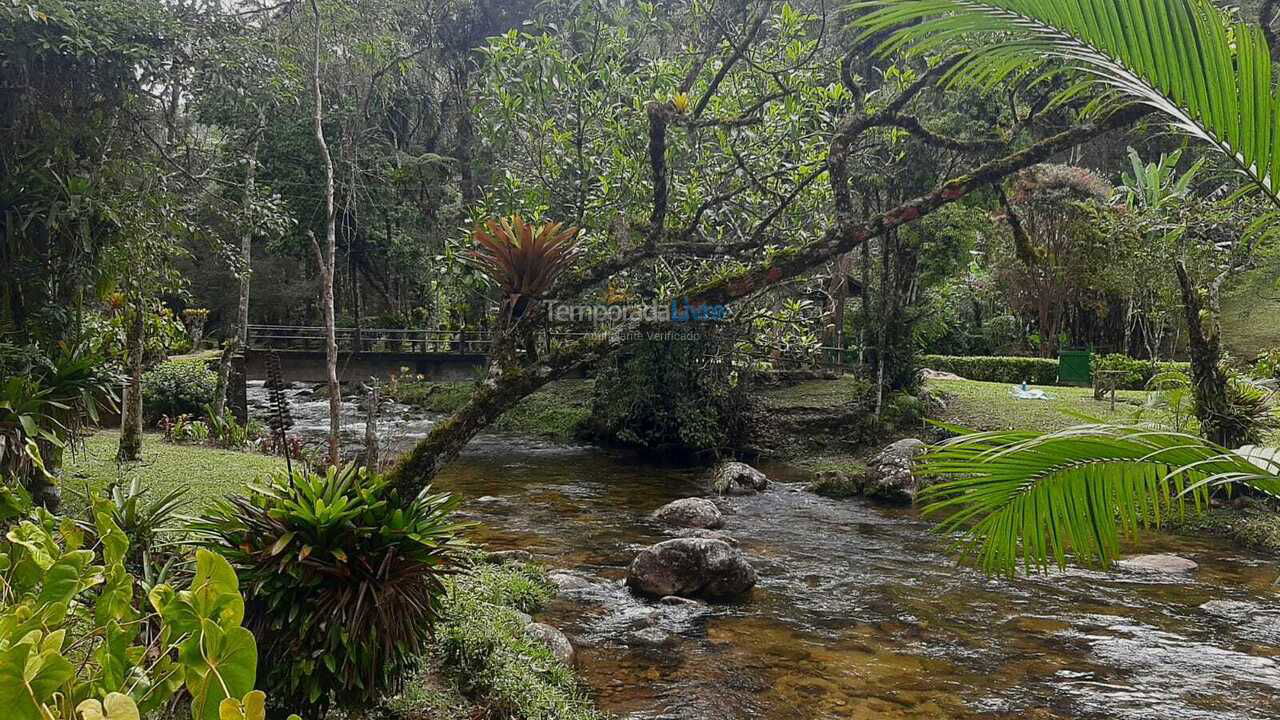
{"x":1162,"y":563}
{"x":690,"y":513}
{"x":502,"y":557}
{"x":691,"y":567}
{"x":890,"y":475}
{"x":735,"y":478}
{"x":555,"y":641}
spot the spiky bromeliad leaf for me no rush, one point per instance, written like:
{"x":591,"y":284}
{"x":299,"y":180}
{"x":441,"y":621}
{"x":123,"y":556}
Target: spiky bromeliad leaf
{"x":524,"y":259}
{"x":1023,"y":498}
{"x":1210,"y":76}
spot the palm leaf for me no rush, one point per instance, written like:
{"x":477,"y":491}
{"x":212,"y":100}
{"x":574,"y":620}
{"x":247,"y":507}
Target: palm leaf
{"x":1029,"y":499}
{"x":1209,"y":76}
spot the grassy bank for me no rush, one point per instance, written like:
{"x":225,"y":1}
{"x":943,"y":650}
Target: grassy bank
{"x":205,"y":473}
{"x":558,"y":411}
{"x":992,"y":406}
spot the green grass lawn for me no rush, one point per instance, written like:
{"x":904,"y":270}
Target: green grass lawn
{"x":206,"y":473}
{"x":992,"y":406}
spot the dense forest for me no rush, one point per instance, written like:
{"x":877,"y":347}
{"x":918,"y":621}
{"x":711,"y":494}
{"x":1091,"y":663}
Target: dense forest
{"x":700,"y":232}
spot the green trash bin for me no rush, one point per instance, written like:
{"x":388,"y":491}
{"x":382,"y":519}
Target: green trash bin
{"x":1075,"y":367}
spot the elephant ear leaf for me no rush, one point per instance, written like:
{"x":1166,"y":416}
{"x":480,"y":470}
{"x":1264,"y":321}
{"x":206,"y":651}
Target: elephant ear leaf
{"x":220,"y":664}
{"x":115,"y":707}
{"x":252,"y":707}
{"x":29,"y":678}
{"x":215,"y":591}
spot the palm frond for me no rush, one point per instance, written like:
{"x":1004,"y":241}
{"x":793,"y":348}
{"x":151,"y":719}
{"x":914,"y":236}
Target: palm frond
{"x":1210,"y":76}
{"x":1028,"y":499}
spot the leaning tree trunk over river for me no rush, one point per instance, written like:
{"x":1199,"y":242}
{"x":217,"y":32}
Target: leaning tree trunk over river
{"x":506,"y":384}
{"x":328,"y":255}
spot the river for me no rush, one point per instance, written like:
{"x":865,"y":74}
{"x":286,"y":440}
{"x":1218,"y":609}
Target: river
{"x":859,"y":611}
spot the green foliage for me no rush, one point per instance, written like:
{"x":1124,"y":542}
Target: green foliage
{"x":1267,"y":365}
{"x":143,"y":521}
{"x":178,"y":387}
{"x":1029,"y":499}
{"x":1013,"y":370}
{"x":1209,"y":75}
{"x":672,"y":395}
{"x":70,"y":629}
{"x":345,"y":580}
{"x":1137,"y":374}
{"x":482,"y":642}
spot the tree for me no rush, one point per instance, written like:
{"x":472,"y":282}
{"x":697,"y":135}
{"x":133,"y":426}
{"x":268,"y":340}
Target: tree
{"x":723,"y":237}
{"x":326,"y":255}
{"x":1053,"y":212}
{"x":1210,"y":77}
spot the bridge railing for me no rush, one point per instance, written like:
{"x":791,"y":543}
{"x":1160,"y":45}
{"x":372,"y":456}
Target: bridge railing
{"x":301,"y":337}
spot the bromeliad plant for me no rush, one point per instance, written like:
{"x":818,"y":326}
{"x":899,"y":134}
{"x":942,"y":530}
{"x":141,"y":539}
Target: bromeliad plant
{"x":523,"y":259}
{"x":70,"y":630}
{"x":345,"y":580}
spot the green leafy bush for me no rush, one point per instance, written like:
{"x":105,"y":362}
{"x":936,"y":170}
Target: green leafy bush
{"x":1137,"y":374}
{"x":71,"y":641}
{"x":671,"y":395}
{"x":345,"y":583}
{"x":1267,"y":365}
{"x":178,"y":387}
{"x":482,"y":642}
{"x":1012,"y":370}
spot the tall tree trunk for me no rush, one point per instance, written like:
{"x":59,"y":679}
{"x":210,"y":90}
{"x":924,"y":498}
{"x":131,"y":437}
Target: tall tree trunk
{"x":1209,"y":382}
{"x":240,"y":331}
{"x":131,"y":415}
{"x":327,"y":256}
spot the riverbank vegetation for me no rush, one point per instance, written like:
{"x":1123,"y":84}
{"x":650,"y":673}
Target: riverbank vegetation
{"x":704,"y":231}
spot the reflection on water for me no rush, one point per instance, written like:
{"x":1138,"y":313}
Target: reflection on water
{"x":859,"y":612}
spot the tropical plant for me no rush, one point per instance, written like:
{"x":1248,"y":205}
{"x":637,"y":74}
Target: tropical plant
{"x":178,"y":387}
{"x":143,"y":521}
{"x":224,"y":430}
{"x":344,"y":580}
{"x":1210,"y":76}
{"x":1029,"y":499}
{"x":523,"y":259}
{"x":69,"y":630}
{"x":28,"y":420}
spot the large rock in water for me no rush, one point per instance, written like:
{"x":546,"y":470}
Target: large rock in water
{"x":691,"y":567}
{"x":735,"y":478}
{"x":1161,"y":563}
{"x":690,"y":513}
{"x":890,"y":476}
{"x":555,"y":641}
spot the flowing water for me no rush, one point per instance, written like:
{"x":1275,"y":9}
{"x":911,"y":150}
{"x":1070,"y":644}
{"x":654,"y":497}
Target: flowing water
{"x":859,"y":611}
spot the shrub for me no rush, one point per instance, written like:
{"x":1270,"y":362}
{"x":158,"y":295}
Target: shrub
{"x":345,"y":582}
{"x":70,"y":630}
{"x":1013,"y":370}
{"x":1267,"y":365}
{"x":671,"y":395}
{"x":483,"y":644}
{"x":178,"y":387}
{"x":1137,"y":374}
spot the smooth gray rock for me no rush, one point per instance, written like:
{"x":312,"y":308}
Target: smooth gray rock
{"x":555,"y":640}
{"x":567,"y":582}
{"x":502,"y":557}
{"x":735,"y":478}
{"x":691,"y":567}
{"x":1162,"y":563}
{"x":690,"y":513}
{"x":890,"y":475}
